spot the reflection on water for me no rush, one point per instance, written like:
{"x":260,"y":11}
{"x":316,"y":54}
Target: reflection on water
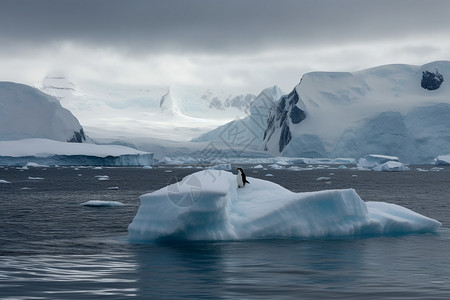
{"x":68,"y":276}
{"x":409,"y":267}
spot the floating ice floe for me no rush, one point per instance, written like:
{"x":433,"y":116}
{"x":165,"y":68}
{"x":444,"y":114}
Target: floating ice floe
{"x":207,"y":205}
{"x":4,"y":181}
{"x":102,"y":177}
{"x":442,"y":160}
{"x":373,"y":160}
{"x":391,"y":166}
{"x":99,"y":203}
{"x":35,"y":178}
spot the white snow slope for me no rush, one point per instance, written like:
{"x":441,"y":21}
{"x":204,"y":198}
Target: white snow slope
{"x":26,"y":112}
{"x":116,"y":112}
{"x":383,"y":110}
{"x":249,"y":131}
{"x":207,"y":205}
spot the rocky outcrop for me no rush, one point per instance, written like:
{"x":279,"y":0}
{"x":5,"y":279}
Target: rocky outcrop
{"x":281,"y":116}
{"x":431,"y":81}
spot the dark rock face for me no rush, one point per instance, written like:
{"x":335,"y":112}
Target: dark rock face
{"x":285,"y":137}
{"x":279,"y":117}
{"x":78,"y":137}
{"x":431,"y":81}
{"x":297,"y":115}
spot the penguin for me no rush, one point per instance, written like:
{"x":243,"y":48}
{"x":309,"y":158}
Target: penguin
{"x":241,"y":179}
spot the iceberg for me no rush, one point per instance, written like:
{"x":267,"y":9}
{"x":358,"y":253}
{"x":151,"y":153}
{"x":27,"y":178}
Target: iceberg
{"x":207,"y":205}
{"x":442,"y":160}
{"x":391,"y":166}
{"x":373,"y":160}
{"x":33,"y":152}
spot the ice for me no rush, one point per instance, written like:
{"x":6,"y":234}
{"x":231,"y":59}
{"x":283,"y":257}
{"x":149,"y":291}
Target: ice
{"x":4,"y":181}
{"x":391,"y":166}
{"x":442,"y":160}
{"x":207,"y":205}
{"x":100,"y":203}
{"x":27,"y":112}
{"x":373,"y":160}
{"x":35,"y":165}
{"x":49,"y":152}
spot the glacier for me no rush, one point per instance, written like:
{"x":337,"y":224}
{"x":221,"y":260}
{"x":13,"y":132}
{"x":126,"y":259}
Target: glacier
{"x":50,"y":152}
{"x":397,"y":110}
{"x":207,"y":205}
{"x":248,"y":131}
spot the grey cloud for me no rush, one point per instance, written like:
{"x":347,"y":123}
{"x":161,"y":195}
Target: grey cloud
{"x":208,"y":26}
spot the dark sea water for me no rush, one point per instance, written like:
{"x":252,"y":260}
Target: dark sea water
{"x":51,"y":247}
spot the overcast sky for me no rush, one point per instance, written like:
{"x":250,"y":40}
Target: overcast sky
{"x":244,"y":45}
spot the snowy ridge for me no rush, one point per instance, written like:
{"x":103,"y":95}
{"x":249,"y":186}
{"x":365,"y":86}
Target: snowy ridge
{"x":249,"y":131}
{"x":207,"y":205}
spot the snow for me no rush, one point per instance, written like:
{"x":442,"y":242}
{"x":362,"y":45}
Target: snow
{"x":249,"y":131}
{"x":126,"y":112}
{"x":379,"y":110}
{"x":49,"y":151}
{"x":100,"y":203}
{"x":207,"y":205}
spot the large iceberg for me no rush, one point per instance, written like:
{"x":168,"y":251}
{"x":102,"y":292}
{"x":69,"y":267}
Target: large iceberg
{"x":49,"y":152}
{"x":207,"y":205}
{"x":443,"y":160}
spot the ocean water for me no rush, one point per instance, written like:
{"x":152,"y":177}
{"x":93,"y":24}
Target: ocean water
{"x":51,"y":247}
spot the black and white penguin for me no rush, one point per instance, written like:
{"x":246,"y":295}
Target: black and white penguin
{"x":241,"y":179}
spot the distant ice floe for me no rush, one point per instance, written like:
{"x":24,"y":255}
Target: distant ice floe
{"x":442,"y":160}
{"x":281,"y":161}
{"x":4,"y":181}
{"x":391,"y":166}
{"x":382,"y":163}
{"x":207,"y":205}
{"x":100,"y":203}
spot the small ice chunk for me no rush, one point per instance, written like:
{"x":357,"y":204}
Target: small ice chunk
{"x":100,"y":203}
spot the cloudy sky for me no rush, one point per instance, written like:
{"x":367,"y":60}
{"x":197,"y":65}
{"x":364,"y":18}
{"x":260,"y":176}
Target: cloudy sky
{"x":242,"y":45}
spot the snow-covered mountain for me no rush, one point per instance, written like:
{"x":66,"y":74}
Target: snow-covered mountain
{"x":26,"y":112}
{"x":246,"y":132}
{"x":399,"y":110}
{"x":121,"y":112}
